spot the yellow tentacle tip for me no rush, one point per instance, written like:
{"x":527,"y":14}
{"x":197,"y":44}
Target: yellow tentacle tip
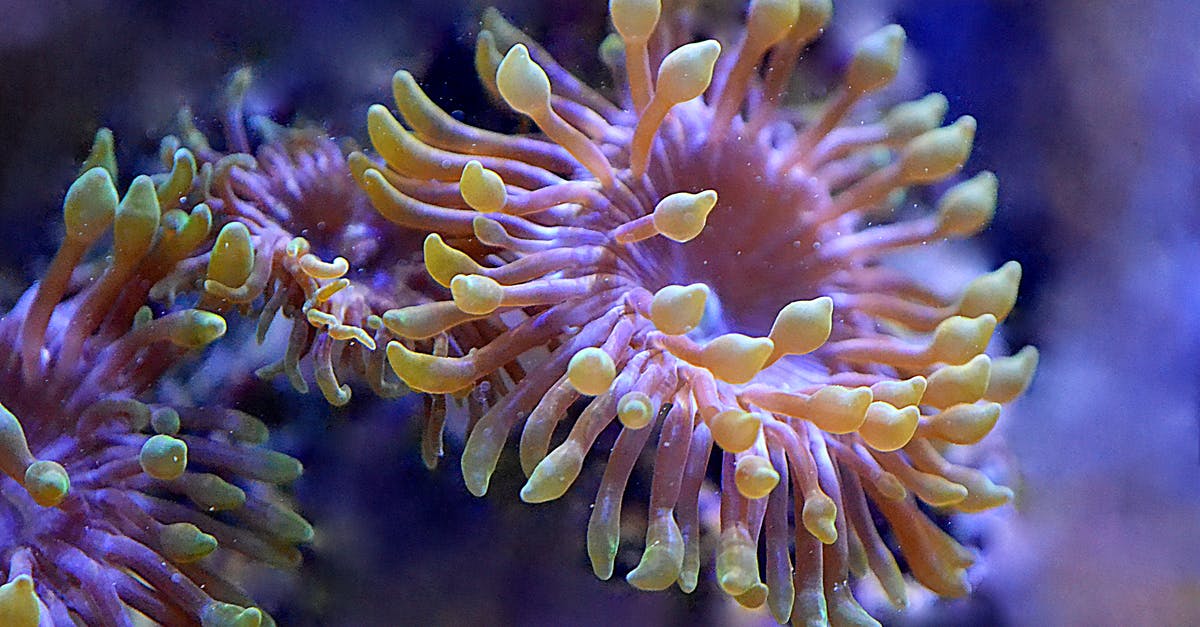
{"x":770,"y":20}
{"x":183,"y":171}
{"x":736,"y":358}
{"x":735,"y":430}
{"x":476,"y":294}
{"x":887,"y":428}
{"x":755,"y":477}
{"x":994,"y":293}
{"x":591,"y":371}
{"x":489,"y":231}
{"x":427,"y":373}
{"x":19,"y":603}
{"x":802,"y":326}
{"x":481,"y":188}
{"x":737,"y":562}
{"x":314,"y":267}
{"x":876,"y":60}
{"x":136,"y":221}
{"x":819,"y":516}
{"x":163,"y":457}
{"x":47,"y":482}
{"x":89,"y":206}
{"x":1011,"y":375}
{"x":677,"y":309}
{"x":232,"y":257}
{"x":635,"y":410}
{"x":812,"y":16}
{"x":838,"y":409}
{"x":910,"y":119}
{"x":957,"y":339}
{"x":197,"y":329}
{"x":103,"y":153}
{"x":662,"y":560}
{"x":522,"y":82}
{"x":347,"y":332}
{"x":754,"y":597}
{"x":967,"y":208}
{"x":682,"y":216}
{"x":687,"y":71}
{"x":554,"y":474}
{"x":444,"y":262}
{"x":938,"y":153}
{"x":951,"y":385}
{"x":900,"y":393}
{"x":635,"y":19}
{"x":967,"y":423}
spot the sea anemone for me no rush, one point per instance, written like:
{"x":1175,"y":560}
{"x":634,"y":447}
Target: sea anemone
{"x":114,"y":503}
{"x":292,"y":224}
{"x":700,"y":259}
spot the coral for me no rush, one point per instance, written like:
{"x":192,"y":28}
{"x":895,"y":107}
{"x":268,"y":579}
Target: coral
{"x":694,"y":257}
{"x":702,"y":260}
{"x":296,"y":183}
{"x":113,"y":501}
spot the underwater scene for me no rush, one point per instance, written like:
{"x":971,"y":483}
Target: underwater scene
{"x":624,"y":312}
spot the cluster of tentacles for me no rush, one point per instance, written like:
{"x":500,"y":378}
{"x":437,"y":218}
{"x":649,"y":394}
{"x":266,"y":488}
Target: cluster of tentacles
{"x":688,"y":262}
{"x":293,"y":226}
{"x":690,"y":258}
{"x":116,"y":504}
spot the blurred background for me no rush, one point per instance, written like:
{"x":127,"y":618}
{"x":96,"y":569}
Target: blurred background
{"x":1089,"y":112}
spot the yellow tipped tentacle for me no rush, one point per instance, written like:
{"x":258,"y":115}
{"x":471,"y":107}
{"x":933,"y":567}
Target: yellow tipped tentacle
{"x":736,"y":358}
{"x":801,"y":327}
{"x":591,"y":371}
{"x":994,"y":293}
{"x":684,"y":74}
{"x":1010,"y":376}
{"x":677,"y":309}
{"x":680,"y":217}
{"x":19,"y":603}
{"x":755,"y":477}
{"x":525,"y":87}
{"x":232,"y":257}
{"x":482,"y":188}
{"x":936,"y":154}
{"x":163,"y":457}
{"x":427,"y":373}
{"x":635,"y":21}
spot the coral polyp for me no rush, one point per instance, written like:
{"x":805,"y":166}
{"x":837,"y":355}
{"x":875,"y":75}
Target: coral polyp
{"x":115,"y":504}
{"x":292,"y":225}
{"x":698,"y":260}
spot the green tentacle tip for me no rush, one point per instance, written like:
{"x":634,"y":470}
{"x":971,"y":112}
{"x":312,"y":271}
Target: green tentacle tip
{"x":185,"y":543}
{"x":213,"y":493}
{"x":47,"y":482}
{"x":291,"y":527}
{"x":164,"y":457}
{"x":249,"y":429}
{"x":280,"y":468}
{"x":218,"y":614}
{"x":165,"y":421}
{"x":143,"y":316}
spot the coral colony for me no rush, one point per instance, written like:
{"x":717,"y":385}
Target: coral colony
{"x":687,"y":259}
